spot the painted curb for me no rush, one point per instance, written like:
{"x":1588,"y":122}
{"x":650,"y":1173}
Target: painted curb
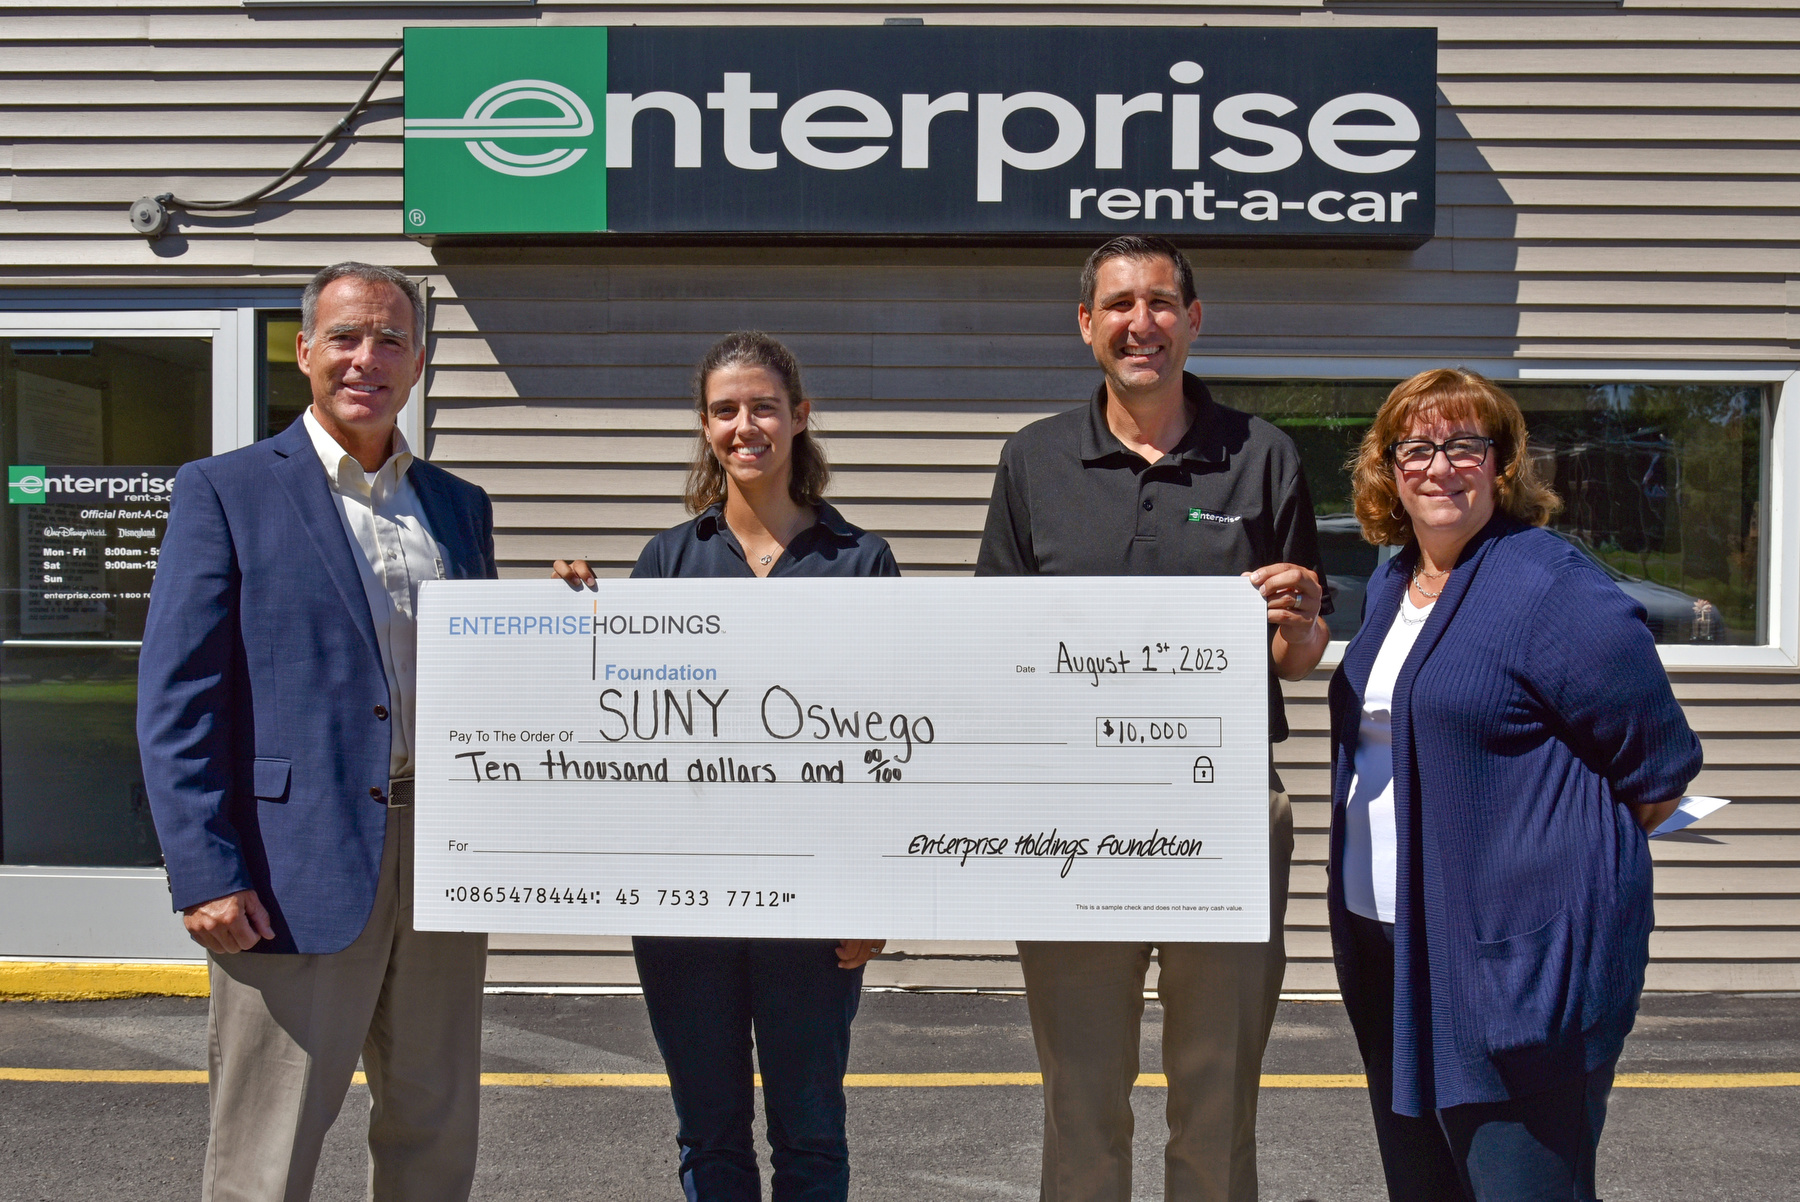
{"x":65,"y":981}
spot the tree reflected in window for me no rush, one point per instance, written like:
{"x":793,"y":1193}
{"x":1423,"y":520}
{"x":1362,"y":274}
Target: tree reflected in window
{"x":1662,"y":486}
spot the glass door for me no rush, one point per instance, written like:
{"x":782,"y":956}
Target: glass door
{"x":93,"y":426}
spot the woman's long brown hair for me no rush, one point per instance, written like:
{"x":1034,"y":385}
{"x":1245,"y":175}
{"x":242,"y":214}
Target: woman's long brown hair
{"x":706,"y":475}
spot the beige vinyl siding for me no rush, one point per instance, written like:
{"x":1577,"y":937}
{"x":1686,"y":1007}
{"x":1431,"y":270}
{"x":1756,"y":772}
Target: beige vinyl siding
{"x":1615,"y":182}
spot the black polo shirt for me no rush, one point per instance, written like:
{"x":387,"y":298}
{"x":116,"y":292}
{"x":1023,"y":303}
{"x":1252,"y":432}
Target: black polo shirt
{"x":1070,"y":499}
{"x":707,"y":547}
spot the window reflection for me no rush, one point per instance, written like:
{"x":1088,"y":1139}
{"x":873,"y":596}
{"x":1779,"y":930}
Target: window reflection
{"x":69,"y":776}
{"x":92,"y":430}
{"x":284,"y":392}
{"x":1662,"y":486}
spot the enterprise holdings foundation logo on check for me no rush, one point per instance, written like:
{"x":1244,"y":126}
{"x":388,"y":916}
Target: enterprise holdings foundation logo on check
{"x":501,"y":133}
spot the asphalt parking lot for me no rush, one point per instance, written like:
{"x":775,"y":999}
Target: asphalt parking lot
{"x":915,"y":1140}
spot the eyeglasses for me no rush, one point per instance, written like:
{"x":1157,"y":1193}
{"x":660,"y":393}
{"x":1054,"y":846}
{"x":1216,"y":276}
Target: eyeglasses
{"x":1416,"y":454}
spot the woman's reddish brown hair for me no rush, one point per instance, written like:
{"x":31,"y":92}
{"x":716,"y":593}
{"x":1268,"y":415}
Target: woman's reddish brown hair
{"x":1456,"y":394}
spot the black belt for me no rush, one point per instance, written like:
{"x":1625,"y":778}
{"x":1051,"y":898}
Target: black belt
{"x":400,"y":792}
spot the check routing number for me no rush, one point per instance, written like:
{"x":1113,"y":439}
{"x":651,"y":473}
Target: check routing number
{"x":1043,"y":758}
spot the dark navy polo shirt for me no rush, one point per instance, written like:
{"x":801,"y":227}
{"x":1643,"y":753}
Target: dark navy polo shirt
{"x":706,"y":547}
{"x":1070,"y":499}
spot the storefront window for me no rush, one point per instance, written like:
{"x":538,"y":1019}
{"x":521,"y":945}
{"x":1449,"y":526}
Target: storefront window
{"x":282,"y":392}
{"x":93,"y":431}
{"x":1662,"y":486}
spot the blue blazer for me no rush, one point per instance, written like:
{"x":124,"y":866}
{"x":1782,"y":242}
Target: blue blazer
{"x":1532,"y":706}
{"x":264,"y":759}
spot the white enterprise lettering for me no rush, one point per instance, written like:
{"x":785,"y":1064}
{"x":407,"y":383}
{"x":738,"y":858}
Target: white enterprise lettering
{"x":1260,"y":145}
{"x":135,"y":488}
{"x":1258,"y":204}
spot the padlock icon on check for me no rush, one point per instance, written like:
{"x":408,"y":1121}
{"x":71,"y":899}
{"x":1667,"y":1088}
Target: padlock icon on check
{"x":1203,"y":770}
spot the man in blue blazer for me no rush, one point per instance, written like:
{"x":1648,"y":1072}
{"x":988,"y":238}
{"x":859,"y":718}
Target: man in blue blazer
{"x":275,"y":718}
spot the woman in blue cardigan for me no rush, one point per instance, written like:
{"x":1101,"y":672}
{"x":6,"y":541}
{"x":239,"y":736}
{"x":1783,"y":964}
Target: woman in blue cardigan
{"x":1503,"y":735}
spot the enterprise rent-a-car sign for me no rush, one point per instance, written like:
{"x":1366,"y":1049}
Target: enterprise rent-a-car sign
{"x":1320,"y":136}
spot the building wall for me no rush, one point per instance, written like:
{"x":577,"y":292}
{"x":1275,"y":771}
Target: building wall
{"x":1616,"y":182}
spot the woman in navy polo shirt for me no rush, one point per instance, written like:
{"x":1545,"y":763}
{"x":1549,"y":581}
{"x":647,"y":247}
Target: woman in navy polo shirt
{"x":757,"y":483}
{"x":1503,"y":734}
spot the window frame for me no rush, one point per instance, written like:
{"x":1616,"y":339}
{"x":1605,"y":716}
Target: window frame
{"x":233,"y":385}
{"x":120,"y":912}
{"x":79,"y":913}
{"x":1782,"y":505}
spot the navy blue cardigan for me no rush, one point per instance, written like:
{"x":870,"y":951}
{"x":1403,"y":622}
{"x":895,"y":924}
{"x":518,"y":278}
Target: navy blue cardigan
{"x":1531,"y":707}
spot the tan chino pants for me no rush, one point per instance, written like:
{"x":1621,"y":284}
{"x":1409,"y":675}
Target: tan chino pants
{"x":284,"y":1033}
{"x":1219,"y":999}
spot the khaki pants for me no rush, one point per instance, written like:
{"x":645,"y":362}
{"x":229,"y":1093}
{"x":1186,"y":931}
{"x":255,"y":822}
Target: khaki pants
{"x":1087,"y":1000}
{"x":284,"y":1033}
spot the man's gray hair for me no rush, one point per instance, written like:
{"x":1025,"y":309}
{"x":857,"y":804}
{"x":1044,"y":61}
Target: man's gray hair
{"x":372,"y":273}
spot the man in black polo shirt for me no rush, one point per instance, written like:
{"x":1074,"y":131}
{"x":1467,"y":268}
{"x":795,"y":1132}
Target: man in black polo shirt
{"x":1155,"y":478}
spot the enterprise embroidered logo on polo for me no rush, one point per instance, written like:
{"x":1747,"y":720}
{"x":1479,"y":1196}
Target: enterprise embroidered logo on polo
{"x":1223,"y":519}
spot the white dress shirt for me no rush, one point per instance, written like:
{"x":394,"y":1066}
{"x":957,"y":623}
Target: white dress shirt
{"x":1370,"y":857}
{"x":386,"y":525}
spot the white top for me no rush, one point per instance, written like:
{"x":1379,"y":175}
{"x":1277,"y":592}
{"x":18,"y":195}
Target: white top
{"x":1369,"y":853}
{"x":384,"y":521}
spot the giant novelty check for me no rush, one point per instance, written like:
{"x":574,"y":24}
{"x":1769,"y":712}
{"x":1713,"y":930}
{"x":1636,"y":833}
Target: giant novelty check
{"x":1045,"y":758}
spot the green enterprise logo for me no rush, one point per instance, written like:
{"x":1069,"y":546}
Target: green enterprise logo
{"x":25,"y":485}
{"x":500,"y":131}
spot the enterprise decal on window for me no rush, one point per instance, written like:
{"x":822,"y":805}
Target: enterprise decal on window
{"x":1321,"y":137}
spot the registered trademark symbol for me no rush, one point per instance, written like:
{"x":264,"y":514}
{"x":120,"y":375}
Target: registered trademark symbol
{"x":416,"y":216}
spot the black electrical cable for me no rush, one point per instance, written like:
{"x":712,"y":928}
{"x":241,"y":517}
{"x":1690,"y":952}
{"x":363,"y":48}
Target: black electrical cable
{"x":329,"y":136}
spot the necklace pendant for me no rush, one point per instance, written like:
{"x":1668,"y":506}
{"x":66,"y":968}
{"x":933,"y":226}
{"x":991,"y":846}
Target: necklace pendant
{"x":765,"y":560}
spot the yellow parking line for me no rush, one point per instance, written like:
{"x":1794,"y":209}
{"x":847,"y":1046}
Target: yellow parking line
{"x":889,"y":1080}
{"x":938,"y":1080}
{"x":1706,"y":1080}
{"x":577,"y":1080}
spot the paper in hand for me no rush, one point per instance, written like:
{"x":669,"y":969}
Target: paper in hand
{"x":1690,"y":811}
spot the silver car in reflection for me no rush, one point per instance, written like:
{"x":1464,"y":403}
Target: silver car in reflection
{"x":1674,"y":616}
